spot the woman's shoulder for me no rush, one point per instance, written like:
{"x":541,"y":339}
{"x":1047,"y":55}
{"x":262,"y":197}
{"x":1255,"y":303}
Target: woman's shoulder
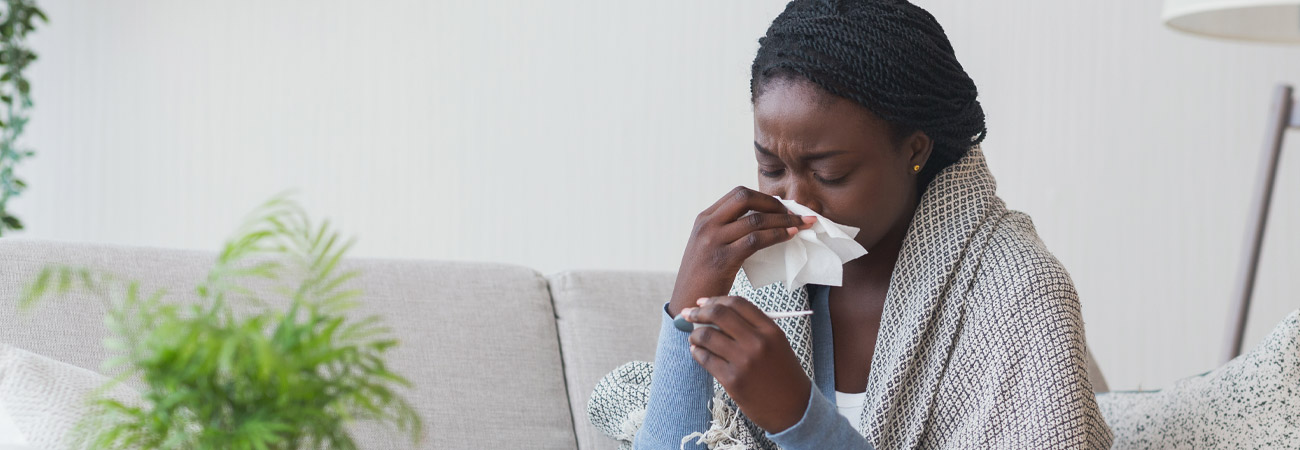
{"x":1016,"y":268}
{"x":1015,"y":238}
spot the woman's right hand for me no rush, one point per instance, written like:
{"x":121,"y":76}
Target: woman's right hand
{"x":723,"y":237}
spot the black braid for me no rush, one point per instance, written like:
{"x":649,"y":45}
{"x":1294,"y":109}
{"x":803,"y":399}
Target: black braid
{"x":889,"y":56}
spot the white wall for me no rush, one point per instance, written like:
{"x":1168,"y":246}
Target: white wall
{"x":587,"y":134}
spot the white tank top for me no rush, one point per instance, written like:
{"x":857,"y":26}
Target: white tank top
{"x":850,"y":406}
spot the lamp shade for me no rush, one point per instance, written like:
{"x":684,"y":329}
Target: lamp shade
{"x":1254,"y":20}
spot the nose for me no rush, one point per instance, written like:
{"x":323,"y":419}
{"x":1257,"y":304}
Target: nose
{"x":802,"y":195}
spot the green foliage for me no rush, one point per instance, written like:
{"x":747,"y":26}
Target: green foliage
{"x":217,"y":378}
{"x":16,"y":20}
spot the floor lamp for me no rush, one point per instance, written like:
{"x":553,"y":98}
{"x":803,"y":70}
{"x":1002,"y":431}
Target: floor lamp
{"x":1275,"y":21}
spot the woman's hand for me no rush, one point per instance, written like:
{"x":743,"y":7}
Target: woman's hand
{"x":751,"y":358}
{"x":723,"y":237}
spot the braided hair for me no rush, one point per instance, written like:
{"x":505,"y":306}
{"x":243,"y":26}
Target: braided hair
{"x":889,"y":56}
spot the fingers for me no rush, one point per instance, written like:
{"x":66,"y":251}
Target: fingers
{"x":714,"y":364}
{"x":757,"y":222}
{"x":745,"y":247}
{"x":756,"y":320}
{"x":711,"y":347}
{"x":738,"y":322}
{"x":735,"y":344}
{"x":717,"y":345}
{"x":721,"y":314}
{"x":742,"y":200}
{"x":734,"y":234}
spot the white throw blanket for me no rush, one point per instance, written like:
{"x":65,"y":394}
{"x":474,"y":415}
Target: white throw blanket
{"x":981,"y":343}
{"x":47,"y":399}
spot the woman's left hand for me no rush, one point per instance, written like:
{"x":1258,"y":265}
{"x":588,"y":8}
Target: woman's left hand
{"x":751,"y":358}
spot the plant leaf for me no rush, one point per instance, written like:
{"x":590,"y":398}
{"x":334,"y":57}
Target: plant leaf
{"x":11,"y":222}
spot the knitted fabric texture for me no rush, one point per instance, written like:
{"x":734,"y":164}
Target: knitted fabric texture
{"x":981,"y":342}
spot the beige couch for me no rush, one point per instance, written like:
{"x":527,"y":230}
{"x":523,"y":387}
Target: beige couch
{"x":500,"y":356}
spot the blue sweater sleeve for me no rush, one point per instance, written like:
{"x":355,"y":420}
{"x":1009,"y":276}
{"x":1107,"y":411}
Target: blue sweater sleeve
{"x":822,"y":426}
{"x":680,"y":391}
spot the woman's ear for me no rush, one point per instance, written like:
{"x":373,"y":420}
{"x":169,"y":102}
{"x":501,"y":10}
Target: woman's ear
{"x":918,"y":147}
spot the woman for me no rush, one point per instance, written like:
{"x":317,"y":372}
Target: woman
{"x":957,"y":330}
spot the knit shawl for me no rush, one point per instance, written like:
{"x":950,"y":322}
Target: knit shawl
{"x":981,"y":341}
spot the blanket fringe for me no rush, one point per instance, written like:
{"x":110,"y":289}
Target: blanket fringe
{"x":631,"y":425}
{"x":725,"y":430}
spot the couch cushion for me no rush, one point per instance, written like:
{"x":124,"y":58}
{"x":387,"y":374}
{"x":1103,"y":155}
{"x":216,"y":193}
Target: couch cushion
{"x":605,"y":319}
{"x":478,"y":340}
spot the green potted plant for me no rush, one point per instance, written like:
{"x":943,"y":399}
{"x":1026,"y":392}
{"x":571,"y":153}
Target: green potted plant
{"x":217,"y":376}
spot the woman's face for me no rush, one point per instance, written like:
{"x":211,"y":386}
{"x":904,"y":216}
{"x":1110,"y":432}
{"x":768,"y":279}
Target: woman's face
{"x":836,"y":157}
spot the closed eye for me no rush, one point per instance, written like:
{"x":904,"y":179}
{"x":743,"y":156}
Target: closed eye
{"x":830,"y":181}
{"x":771,"y":173}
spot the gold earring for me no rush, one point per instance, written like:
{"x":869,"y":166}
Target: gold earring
{"x":916,"y":168}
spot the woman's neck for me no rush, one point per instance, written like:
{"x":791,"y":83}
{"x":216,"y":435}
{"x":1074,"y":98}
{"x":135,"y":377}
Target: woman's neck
{"x":877,"y":266}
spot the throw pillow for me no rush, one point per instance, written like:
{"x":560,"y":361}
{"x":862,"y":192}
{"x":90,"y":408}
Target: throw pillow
{"x":1252,"y":401}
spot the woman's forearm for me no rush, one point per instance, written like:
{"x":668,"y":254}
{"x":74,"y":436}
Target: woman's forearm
{"x":822,"y":426}
{"x":680,"y":391}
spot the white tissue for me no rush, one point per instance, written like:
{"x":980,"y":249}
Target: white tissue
{"x":816,"y":255}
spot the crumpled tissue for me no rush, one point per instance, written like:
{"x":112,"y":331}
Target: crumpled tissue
{"x":813,"y":256}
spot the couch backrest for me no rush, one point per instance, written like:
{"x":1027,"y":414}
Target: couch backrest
{"x":478,"y":341}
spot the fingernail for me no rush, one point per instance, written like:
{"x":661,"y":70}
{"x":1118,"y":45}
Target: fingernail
{"x":809,"y":219}
{"x":692,"y":349}
{"x":792,"y":230}
{"x":686,"y":312}
{"x":701,"y":301}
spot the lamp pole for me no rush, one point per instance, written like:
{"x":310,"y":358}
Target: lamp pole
{"x":1276,"y":21}
{"x":1284,"y":114}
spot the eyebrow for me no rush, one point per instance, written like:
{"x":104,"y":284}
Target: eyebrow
{"x":808,"y":157}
